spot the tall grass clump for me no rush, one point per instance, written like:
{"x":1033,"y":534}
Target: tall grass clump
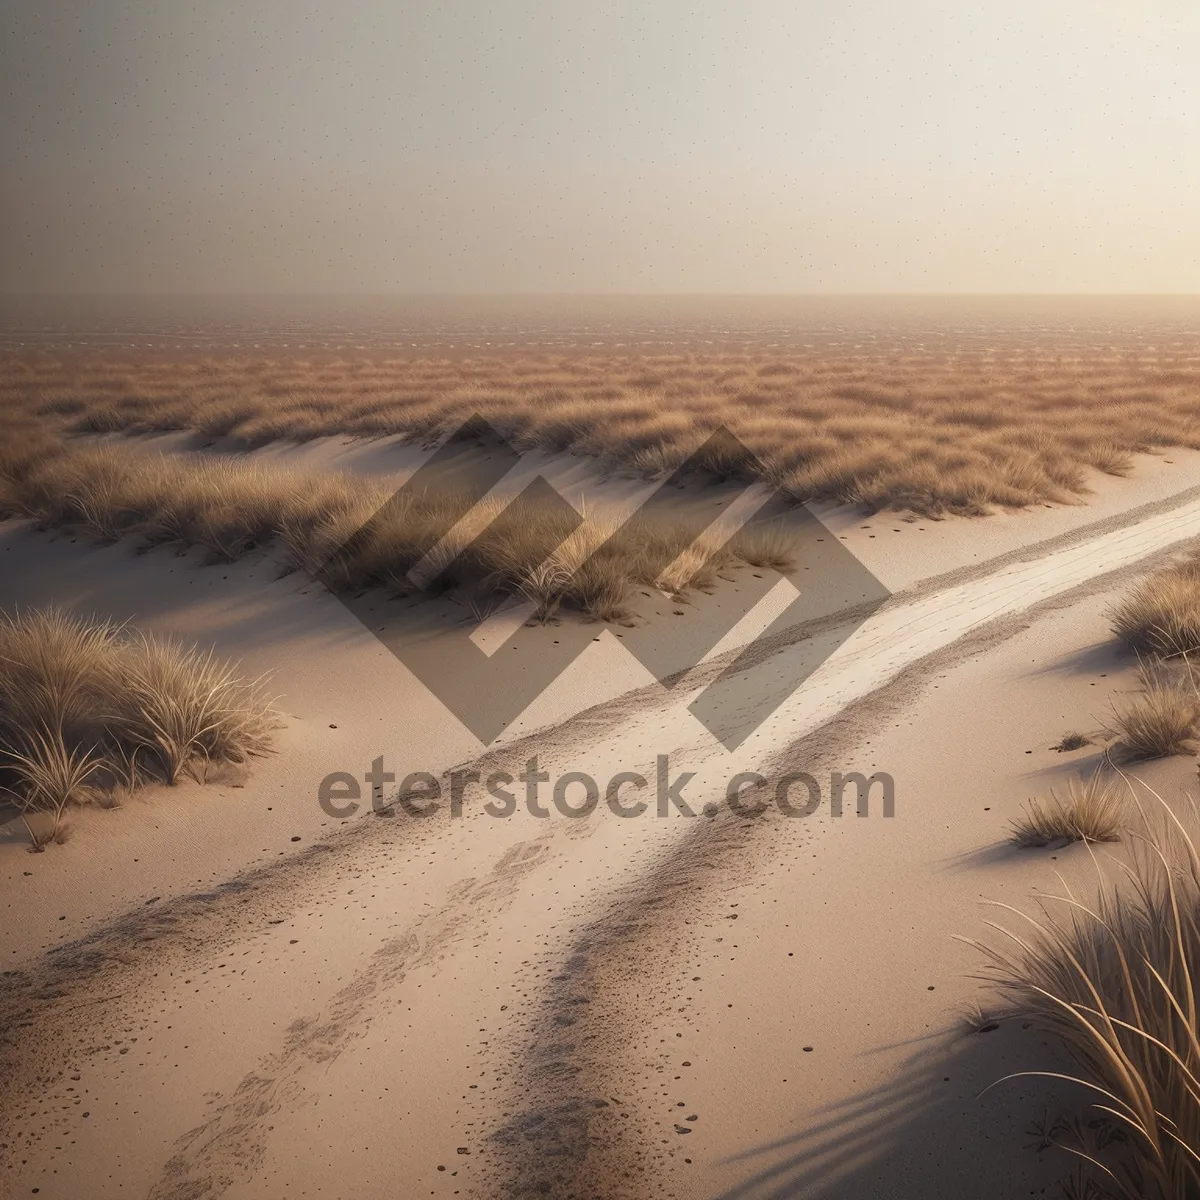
{"x":87,"y":707}
{"x":1161,"y":616}
{"x":185,"y":708}
{"x":1090,"y":811}
{"x":1163,"y":718}
{"x":1116,"y":983}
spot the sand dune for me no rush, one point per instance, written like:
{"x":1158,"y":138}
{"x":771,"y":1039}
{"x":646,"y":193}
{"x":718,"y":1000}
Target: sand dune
{"x":405,"y":983}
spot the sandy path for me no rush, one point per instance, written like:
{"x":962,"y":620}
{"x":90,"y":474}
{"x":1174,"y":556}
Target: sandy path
{"x":402,"y":1002}
{"x":775,"y":1009}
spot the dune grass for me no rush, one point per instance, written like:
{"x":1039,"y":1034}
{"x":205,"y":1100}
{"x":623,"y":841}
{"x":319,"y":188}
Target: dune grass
{"x":89,"y":709}
{"x":1160,"y":620}
{"x":1071,"y":741}
{"x":1161,"y":616}
{"x":1090,"y":811}
{"x":1116,"y":984}
{"x":929,"y":430}
{"x":1162,"y":719}
{"x":355,"y":534}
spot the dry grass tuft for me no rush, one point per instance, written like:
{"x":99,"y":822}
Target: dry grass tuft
{"x":90,"y":710}
{"x":50,"y":775}
{"x":1091,"y":811}
{"x":1163,"y":719}
{"x":1116,"y":983}
{"x":1161,"y":617}
{"x":765,"y":546}
{"x":1072,"y":741}
{"x":185,"y":708}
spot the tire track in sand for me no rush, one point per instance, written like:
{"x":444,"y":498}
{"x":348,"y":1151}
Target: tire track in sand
{"x":229,"y":1144}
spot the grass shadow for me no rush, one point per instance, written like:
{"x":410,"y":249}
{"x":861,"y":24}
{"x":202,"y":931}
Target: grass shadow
{"x":919,"y":1134}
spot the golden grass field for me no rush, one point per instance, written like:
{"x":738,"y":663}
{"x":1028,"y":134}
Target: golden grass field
{"x":930,"y":433}
{"x":354,"y":534}
{"x":925,"y":431}
{"x":88,"y":710}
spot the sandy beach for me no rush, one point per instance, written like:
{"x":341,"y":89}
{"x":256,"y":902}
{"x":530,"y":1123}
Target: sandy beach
{"x":250,"y":997}
{"x":600,"y":601}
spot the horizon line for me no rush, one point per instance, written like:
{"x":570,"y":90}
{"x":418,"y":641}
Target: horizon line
{"x":614,"y":295}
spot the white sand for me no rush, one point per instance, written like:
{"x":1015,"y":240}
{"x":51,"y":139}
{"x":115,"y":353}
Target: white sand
{"x":434,"y":965}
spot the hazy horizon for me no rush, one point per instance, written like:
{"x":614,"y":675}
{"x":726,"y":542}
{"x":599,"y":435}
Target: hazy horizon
{"x":874,"y":147}
{"x":640,"y":323}
{"x":18,"y":294}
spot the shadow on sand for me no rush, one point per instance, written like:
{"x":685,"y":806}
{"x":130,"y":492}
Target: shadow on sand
{"x":936,"y":1129}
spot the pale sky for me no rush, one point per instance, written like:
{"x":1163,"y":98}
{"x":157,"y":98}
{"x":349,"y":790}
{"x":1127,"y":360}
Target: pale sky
{"x":648,"y":146}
